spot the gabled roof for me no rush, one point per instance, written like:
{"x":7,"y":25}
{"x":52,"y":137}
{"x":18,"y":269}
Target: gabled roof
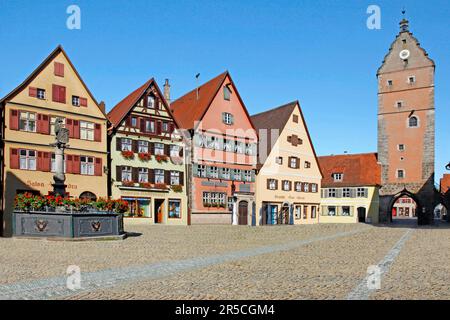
{"x":124,"y":107}
{"x":357,"y":169}
{"x":276,"y":119}
{"x":445,"y":183}
{"x":188,"y":109}
{"x":35,"y":73}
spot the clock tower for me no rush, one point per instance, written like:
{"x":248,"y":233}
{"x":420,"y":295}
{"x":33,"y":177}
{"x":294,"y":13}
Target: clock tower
{"x":406,"y":127}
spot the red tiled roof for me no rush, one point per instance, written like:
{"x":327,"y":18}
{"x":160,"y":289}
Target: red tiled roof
{"x":188,"y":109}
{"x":445,"y":183}
{"x":357,"y":169}
{"x":120,"y":110}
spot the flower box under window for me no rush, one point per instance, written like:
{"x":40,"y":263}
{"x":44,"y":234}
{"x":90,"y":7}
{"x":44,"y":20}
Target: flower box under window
{"x":161,"y":158}
{"x":128,"y":154}
{"x":145,"y":156}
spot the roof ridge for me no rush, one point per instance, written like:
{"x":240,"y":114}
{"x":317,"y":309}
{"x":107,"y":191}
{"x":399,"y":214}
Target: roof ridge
{"x":277,"y":108}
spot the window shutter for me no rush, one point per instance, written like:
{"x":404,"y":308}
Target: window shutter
{"x":366,"y":193}
{"x":142,"y":128}
{"x":156,"y":103}
{"x":194,"y":170}
{"x":232,"y":119}
{"x":151,"y":176}
{"x":298,"y":164}
{"x":268,"y":184}
{"x":83,"y":102}
{"x":39,"y":123}
{"x":98,"y":167}
{"x":76,"y":165}
{"x":40,"y":161}
{"x":59,"y":69}
{"x":135,"y":174}
{"x":98,"y":132}
{"x":55,"y":93}
{"x":135,"y":145}
{"x":69,"y":126}
{"x":276,"y":184}
{"x":181,"y":177}
{"x":118,"y":144}
{"x":167,"y":149}
{"x":151,"y":147}
{"x":171,"y":127}
{"x":45,"y":124}
{"x":166,"y":176}
{"x":14,"y":120}
{"x":118,"y":173}
{"x":223,"y":117}
{"x":76,"y":129}
{"x":145,"y":102}
{"x":158,"y":127}
{"x":62,"y":94}
{"x":32,"y":92}
{"x":69,"y":164}
{"x":14,"y":158}
{"x":47,"y":165}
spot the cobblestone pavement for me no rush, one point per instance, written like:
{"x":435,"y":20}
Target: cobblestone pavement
{"x":231,"y":262}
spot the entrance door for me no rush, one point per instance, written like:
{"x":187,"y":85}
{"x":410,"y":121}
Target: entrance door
{"x":159,"y":210}
{"x":361,"y":215}
{"x":284,"y":215}
{"x":243,"y":213}
{"x":273,"y":215}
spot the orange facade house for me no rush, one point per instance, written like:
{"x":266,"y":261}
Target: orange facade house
{"x":222,"y":153}
{"x":54,"y":90}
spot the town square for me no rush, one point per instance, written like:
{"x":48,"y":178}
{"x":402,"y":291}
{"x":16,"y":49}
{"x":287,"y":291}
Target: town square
{"x":177,"y":173}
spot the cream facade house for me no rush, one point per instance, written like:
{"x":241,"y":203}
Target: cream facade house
{"x":288,"y":178}
{"x":54,"y":89}
{"x":147,"y":157}
{"x":350,"y":188}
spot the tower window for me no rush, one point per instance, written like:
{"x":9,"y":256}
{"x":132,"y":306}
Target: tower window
{"x":401,"y":147}
{"x":413,"y":122}
{"x":399,"y":104}
{"x":404,"y":41}
{"x":389,"y":83}
{"x":411,"y":79}
{"x":400,"y":173}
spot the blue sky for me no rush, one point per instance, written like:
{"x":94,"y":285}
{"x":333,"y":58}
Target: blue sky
{"x":319,"y":52}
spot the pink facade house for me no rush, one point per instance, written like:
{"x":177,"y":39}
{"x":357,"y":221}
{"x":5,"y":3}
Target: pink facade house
{"x":222,"y":153}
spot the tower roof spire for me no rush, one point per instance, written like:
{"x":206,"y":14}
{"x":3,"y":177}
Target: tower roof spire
{"x":404,"y":24}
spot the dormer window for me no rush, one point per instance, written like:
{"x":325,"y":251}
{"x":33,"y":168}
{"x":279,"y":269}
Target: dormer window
{"x":338,"y":176}
{"x":226,"y":93}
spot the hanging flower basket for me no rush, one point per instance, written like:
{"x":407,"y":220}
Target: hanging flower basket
{"x":161,"y":158}
{"x":146,"y":185}
{"x":177,"y":188}
{"x":128,"y":154}
{"x":161,"y":186}
{"x":128,"y":183}
{"x":145,"y":156}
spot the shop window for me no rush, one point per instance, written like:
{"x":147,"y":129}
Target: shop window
{"x":175,"y":209}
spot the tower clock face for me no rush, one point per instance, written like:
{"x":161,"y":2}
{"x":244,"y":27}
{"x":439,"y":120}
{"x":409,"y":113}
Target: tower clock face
{"x":404,"y":54}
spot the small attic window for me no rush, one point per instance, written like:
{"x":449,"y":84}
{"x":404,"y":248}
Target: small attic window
{"x":404,"y":41}
{"x":226,"y":93}
{"x":295,"y":118}
{"x":338,"y":176}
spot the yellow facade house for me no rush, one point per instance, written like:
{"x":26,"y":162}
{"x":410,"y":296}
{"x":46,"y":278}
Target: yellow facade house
{"x":54,"y":89}
{"x":147,"y":157}
{"x":350,"y":188}
{"x":288,"y":180}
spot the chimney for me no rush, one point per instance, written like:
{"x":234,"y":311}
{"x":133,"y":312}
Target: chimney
{"x":102,"y":106}
{"x":167,"y":91}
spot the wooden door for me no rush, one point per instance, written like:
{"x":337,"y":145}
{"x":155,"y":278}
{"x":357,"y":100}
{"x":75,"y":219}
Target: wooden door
{"x":243,"y":213}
